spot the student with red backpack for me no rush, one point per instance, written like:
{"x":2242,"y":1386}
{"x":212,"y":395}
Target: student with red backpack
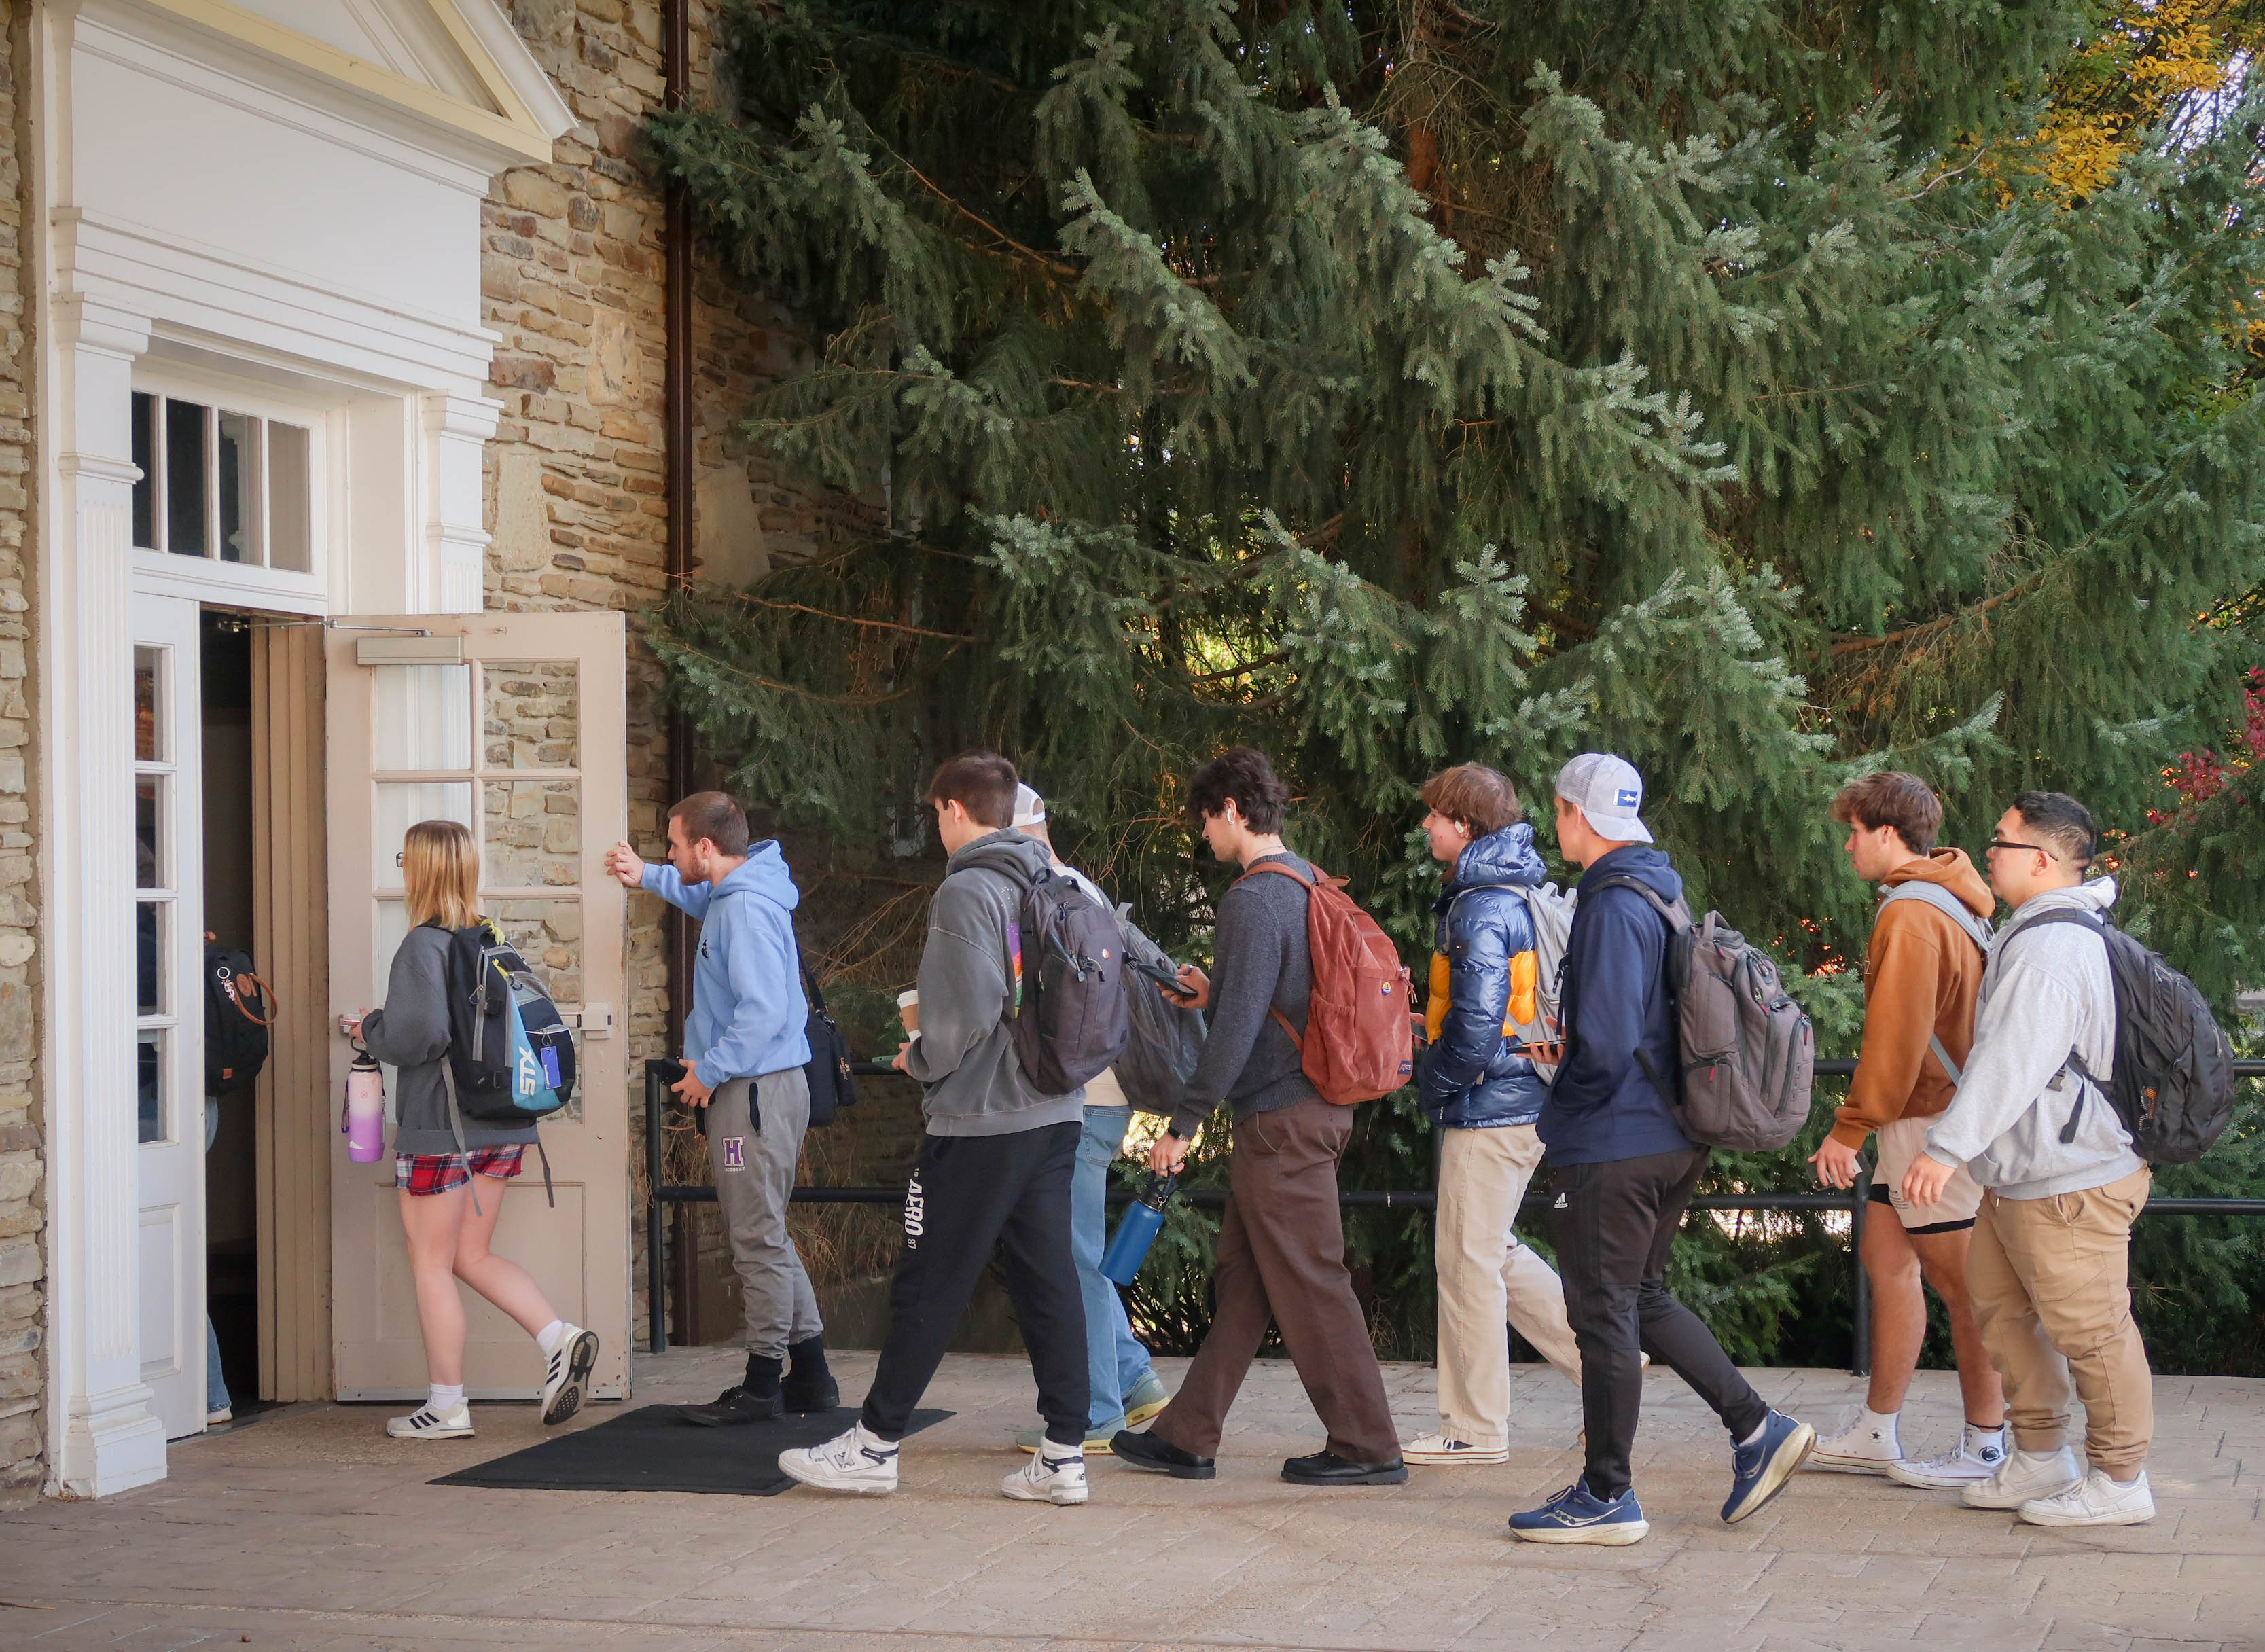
{"x":1008,"y":946}
{"x":1280,"y":1016}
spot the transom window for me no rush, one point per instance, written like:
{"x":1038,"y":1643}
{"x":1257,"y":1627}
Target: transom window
{"x":224,"y":486}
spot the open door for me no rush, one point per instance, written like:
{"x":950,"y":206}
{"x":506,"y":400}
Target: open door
{"x":516,"y":725}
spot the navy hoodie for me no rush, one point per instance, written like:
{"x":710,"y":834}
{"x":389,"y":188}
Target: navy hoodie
{"x":1602,"y":1108}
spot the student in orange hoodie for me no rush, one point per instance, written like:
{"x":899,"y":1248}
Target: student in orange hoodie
{"x":1921,"y":973}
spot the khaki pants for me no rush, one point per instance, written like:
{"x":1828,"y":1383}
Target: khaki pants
{"x":2049,"y":1282}
{"x":1486,"y":1277}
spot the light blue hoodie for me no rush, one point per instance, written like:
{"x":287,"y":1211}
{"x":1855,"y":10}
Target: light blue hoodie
{"x":749,"y":1017}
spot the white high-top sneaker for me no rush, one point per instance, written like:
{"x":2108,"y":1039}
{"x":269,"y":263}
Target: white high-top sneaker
{"x":1052,"y":1476}
{"x":2023,"y":1476}
{"x":2095,"y":1500}
{"x":426,"y":1424}
{"x":1859,"y":1448}
{"x":859,"y":1462}
{"x":1972,"y":1461}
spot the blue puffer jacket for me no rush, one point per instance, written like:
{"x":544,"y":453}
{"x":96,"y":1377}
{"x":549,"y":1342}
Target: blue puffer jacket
{"x":1471,"y":1075}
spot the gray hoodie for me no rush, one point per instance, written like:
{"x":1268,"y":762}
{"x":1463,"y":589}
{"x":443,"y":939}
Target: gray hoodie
{"x":969,"y":971}
{"x":2042,"y":995}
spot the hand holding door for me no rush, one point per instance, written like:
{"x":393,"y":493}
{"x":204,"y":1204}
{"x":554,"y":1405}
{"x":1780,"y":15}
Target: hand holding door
{"x":623,"y":866}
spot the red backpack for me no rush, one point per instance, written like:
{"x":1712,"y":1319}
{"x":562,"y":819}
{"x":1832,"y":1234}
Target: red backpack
{"x":1359,"y":1041}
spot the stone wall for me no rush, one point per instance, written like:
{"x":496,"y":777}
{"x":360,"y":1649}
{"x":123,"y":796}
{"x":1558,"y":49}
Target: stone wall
{"x":573,"y":277}
{"x":23,"y":1198}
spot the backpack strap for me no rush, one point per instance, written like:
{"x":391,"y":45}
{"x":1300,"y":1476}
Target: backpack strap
{"x":2074,"y":1062}
{"x":1309,"y":885}
{"x":1948,"y":905}
{"x":1677,"y":917}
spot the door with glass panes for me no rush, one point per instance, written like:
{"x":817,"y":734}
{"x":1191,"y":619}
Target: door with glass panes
{"x":168,"y":1010}
{"x":515,"y":726}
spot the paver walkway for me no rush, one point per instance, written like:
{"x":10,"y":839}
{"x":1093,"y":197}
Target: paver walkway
{"x":310,"y":1529}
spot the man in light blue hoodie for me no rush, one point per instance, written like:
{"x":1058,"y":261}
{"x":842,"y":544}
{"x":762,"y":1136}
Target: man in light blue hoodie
{"x":2047,"y":1268}
{"x":746,"y":1048}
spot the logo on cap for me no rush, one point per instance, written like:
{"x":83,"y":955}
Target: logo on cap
{"x":1625,"y":799}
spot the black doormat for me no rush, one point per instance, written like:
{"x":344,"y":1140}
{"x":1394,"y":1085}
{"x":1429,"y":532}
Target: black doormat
{"x":654,"y":1449}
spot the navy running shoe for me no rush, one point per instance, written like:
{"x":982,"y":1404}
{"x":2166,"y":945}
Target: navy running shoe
{"x":1576,"y":1514}
{"x":1758,"y":1472}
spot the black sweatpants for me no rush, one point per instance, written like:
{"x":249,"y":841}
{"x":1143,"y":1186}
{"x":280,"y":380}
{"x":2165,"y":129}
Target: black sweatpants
{"x":1615,"y":1224}
{"x":970,"y":1195}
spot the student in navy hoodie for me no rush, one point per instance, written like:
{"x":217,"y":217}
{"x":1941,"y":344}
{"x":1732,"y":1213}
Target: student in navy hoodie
{"x":1625,"y":1171}
{"x":745,"y":1047}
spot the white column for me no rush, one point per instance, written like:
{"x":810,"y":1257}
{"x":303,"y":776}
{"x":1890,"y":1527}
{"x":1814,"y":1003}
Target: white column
{"x":456,"y":430}
{"x":108,"y":1438}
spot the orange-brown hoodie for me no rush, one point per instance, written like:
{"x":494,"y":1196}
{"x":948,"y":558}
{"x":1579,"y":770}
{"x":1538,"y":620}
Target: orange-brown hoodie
{"x":1921,"y":974}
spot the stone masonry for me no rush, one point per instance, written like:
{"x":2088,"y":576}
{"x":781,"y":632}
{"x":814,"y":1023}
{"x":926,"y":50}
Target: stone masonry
{"x":23,"y":1197}
{"x":573,"y":277}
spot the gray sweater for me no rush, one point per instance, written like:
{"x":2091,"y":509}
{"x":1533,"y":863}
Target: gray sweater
{"x":1261,"y":962}
{"x":411,"y":1033}
{"x":964,"y":1052}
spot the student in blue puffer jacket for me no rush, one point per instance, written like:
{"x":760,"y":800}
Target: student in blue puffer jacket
{"x":1481,"y":1088}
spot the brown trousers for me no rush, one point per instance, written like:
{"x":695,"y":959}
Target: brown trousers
{"x":2049,"y":1283}
{"x":1281,"y":1259}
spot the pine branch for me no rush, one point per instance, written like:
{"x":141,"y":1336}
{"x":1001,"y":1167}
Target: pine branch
{"x":847,"y":618}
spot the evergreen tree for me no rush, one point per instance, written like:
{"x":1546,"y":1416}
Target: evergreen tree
{"x":1729,"y":386}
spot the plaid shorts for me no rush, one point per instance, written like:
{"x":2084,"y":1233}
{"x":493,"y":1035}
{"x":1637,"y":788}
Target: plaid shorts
{"x":419,"y":1174}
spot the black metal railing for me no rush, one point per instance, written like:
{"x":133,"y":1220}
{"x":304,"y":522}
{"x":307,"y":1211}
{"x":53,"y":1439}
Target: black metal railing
{"x":1854,"y":1202}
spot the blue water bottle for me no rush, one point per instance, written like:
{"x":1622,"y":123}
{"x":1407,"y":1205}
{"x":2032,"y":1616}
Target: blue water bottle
{"x":1137,"y":1231}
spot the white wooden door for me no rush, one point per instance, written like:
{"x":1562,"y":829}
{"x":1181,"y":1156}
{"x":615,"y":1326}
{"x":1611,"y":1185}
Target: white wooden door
{"x":169,"y":1010}
{"x":524,"y":741}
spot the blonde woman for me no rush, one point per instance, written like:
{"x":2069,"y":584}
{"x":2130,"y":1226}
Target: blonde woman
{"x":448,"y":1231}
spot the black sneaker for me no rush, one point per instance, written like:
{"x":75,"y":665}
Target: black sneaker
{"x":1159,"y":1457}
{"x":736,"y":1404}
{"x":1327,"y":1468}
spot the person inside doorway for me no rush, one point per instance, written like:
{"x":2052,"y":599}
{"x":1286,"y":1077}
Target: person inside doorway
{"x":435,"y":1159}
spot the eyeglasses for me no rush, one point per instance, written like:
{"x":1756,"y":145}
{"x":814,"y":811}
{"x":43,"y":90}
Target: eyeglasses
{"x":2001,"y":843}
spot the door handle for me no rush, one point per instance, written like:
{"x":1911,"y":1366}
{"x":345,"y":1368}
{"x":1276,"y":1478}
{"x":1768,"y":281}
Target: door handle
{"x":594,"y":1021}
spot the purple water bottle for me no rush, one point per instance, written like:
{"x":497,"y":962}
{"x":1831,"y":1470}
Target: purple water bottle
{"x":363,"y":1124}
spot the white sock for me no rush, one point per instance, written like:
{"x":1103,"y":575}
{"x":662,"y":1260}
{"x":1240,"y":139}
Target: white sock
{"x":1978,"y":1438}
{"x":1758,"y":1432}
{"x":868,"y":1440}
{"x":547,"y":1338}
{"x":444,"y":1398}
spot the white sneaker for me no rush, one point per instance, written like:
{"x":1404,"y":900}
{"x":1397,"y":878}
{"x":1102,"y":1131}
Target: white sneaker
{"x":1445,"y":1448}
{"x":1858,"y":1448}
{"x":859,"y":1462}
{"x":224,"y":1413}
{"x":1972,"y":1461}
{"x":1047,"y":1478}
{"x":2095,"y":1500}
{"x":426,"y":1424}
{"x":2023,"y":1477}
{"x":568,"y":1373}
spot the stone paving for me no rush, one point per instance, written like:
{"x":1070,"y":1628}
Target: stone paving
{"x":308,"y":1528}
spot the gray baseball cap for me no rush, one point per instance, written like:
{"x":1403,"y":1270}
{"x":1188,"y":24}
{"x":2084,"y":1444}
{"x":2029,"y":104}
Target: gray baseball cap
{"x":1608,"y":792}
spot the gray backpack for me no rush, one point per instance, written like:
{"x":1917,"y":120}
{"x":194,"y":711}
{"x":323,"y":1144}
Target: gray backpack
{"x":1748,"y":1053}
{"x":1167,"y":1040}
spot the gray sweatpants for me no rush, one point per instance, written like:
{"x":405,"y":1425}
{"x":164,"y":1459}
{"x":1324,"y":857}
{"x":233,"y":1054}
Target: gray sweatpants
{"x":755,"y":1177}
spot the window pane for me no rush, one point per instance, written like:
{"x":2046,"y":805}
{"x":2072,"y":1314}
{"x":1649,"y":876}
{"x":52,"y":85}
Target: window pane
{"x":145,"y":455}
{"x":148,"y":710}
{"x":148,"y":842}
{"x":423,"y":717}
{"x":185,"y":479}
{"x":150,"y":1109}
{"x":527,"y":715}
{"x":534,"y":834}
{"x":400,"y":805}
{"x":239,"y":488}
{"x":149,"y":918}
{"x":290,"y":499}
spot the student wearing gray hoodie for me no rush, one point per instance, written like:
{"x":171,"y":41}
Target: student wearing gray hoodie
{"x":746,"y":1050}
{"x":2047,"y":1268}
{"x":994,"y":1169}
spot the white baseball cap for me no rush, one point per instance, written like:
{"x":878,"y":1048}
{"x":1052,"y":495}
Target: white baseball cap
{"x":1608,"y":792}
{"x":1030,"y":808}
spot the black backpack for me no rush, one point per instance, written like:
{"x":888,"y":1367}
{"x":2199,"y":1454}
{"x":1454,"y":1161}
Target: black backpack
{"x":239,"y":1009}
{"x":2172,"y":1079}
{"x":1069,"y":1019}
{"x":1167,"y":1038}
{"x":486,"y":978}
{"x":831,"y":1086}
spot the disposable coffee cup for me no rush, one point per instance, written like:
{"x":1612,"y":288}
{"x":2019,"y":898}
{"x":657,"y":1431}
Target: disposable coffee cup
{"x":908,"y":1011}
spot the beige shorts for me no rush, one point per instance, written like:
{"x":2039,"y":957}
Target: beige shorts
{"x":1900,"y":1143}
